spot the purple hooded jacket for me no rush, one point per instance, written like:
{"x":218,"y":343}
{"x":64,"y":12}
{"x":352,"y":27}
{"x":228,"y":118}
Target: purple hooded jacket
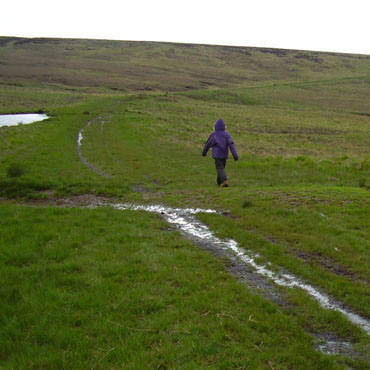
{"x":220,"y":141}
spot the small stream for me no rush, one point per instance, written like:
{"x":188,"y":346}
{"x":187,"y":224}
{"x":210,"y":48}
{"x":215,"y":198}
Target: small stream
{"x":187,"y":223}
{"x":82,"y":157}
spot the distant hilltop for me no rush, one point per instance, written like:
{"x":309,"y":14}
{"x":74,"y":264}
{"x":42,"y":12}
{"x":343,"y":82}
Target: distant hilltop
{"x":127,"y":66}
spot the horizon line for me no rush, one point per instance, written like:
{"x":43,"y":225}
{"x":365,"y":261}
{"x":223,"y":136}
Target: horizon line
{"x":183,"y":43}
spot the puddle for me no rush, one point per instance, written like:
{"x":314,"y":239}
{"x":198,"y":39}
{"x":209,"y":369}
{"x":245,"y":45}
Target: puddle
{"x":187,"y":223}
{"x":329,"y":344}
{"x":337,"y":348}
{"x":80,"y":136}
{"x":79,"y":151}
{"x":21,"y":119}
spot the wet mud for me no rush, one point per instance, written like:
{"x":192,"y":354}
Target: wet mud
{"x":332,"y":345}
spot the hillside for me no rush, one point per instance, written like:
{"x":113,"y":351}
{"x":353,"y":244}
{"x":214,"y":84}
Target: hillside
{"x":118,"y":249}
{"x":99,"y":65}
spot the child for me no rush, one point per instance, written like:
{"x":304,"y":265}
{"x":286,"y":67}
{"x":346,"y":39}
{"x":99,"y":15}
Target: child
{"x":220,"y":141}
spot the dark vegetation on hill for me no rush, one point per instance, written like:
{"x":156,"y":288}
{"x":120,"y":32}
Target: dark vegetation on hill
{"x":101,"y":65}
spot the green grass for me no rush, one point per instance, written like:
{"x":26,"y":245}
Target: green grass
{"x":107,"y":289}
{"x":326,"y":234}
{"x":99,"y":288}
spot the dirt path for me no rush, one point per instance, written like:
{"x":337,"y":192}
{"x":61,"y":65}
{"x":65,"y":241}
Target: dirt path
{"x":79,"y":149}
{"x":101,"y":120}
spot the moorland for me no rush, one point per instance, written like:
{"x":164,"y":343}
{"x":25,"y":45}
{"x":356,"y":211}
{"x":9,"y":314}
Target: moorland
{"x":102,"y":288}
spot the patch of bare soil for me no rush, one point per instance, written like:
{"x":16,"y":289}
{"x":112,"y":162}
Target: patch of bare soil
{"x":278,"y":52}
{"x":67,"y":201}
{"x":37,"y":40}
{"x":331,"y":344}
{"x":311,"y":57}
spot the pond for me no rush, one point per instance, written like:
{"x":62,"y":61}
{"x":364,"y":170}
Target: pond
{"x":16,"y":119}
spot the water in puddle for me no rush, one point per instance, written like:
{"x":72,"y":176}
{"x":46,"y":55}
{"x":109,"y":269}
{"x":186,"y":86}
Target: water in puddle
{"x":16,"y":119}
{"x":336,"y":348}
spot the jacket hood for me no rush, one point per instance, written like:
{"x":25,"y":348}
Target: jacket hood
{"x":220,"y":125}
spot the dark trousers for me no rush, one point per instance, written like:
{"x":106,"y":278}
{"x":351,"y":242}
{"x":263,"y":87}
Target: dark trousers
{"x":220,"y":168}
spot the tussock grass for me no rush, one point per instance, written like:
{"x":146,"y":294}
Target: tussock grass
{"x":23,"y":188}
{"x":15,"y":170}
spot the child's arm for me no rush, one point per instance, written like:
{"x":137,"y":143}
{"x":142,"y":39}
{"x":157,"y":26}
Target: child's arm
{"x":207,"y":145}
{"x":232,"y":147}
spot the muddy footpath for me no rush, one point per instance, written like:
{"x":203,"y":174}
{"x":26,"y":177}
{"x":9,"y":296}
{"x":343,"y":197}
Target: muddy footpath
{"x":241,"y":263}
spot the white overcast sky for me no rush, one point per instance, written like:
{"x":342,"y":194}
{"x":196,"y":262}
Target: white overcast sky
{"x":324,"y":25}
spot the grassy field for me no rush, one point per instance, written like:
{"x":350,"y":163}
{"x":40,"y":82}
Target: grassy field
{"x":102,"y":288}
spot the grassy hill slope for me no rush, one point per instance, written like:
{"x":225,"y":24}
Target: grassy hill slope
{"x":139,"y":295}
{"x":99,"y":65}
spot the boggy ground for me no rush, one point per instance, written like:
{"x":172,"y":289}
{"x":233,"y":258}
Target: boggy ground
{"x":291,"y":212}
{"x":106,"y":288}
{"x":326,"y":341}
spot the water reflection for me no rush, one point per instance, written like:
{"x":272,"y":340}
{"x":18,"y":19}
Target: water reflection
{"x":16,"y":119}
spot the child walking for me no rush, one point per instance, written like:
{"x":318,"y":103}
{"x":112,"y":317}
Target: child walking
{"x":220,"y":141}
